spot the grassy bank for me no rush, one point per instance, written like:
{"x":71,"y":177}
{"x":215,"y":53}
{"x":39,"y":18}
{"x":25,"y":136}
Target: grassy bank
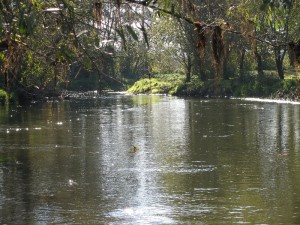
{"x":159,"y":84}
{"x":249,"y":86}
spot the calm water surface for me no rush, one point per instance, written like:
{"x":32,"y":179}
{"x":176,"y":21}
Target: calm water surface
{"x":199,"y":162}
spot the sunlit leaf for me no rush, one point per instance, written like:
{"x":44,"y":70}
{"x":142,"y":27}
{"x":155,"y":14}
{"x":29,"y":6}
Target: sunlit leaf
{"x":282,"y":23}
{"x":2,"y":56}
{"x":258,"y":27}
{"x":276,"y":25}
{"x":270,"y":17}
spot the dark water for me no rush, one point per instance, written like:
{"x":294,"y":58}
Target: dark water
{"x":199,"y":162}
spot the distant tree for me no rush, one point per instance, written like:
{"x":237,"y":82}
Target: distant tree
{"x":270,"y":24}
{"x":172,"y":46}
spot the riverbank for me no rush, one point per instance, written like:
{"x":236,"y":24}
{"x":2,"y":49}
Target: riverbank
{"x":267,"y":87}
{"x":12,"y":98}
{"x":248,"y":86}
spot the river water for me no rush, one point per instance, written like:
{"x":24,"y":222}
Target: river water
{"x":196,"y":162}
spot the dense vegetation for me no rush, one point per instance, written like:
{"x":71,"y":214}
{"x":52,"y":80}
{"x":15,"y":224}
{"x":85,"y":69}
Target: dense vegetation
{"x":174,"y":84}
{"x":218,"y":48}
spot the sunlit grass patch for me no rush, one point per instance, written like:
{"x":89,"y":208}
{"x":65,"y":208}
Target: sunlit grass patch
{"x":159,"y":84}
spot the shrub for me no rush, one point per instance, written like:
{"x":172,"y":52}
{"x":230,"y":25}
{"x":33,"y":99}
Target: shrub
{"x":3,"y":97}
{"x":289,"y":85}
{"x":161,"y":83}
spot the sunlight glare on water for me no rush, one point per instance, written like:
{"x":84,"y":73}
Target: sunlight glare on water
{"x":121,"y":159}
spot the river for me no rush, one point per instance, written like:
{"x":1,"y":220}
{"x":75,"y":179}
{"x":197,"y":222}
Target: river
{"x":122,"y":159}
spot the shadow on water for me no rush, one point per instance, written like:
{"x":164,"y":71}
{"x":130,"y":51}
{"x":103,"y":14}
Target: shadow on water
{"x":194,"y":161}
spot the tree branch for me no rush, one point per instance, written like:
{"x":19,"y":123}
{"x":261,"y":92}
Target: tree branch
{"x":205,"y":25}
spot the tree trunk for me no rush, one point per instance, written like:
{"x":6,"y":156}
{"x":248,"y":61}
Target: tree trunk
{"x":225,"y":61}
{"x":279,"y":62}
{"x":188,"y":69}
{"x":242,"y":62}
{"x":280,"y":68}
{"x":202,"y":71}
{"x":258,"y":58}
{"x":6,"y":82}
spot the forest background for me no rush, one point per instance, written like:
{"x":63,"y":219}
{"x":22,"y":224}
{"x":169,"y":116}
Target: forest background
{"x":183,"y":47}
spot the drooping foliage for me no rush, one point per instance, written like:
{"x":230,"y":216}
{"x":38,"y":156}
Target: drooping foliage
{"x":57,"y":37}
{"x":201,"y":44}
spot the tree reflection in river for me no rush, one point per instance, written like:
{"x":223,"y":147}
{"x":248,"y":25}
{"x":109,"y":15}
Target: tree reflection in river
{"x":200,"y":161}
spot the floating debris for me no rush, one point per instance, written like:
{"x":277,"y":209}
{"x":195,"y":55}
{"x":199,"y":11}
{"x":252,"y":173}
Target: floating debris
{"x":282,"y":155}
{"x":135,"y":148}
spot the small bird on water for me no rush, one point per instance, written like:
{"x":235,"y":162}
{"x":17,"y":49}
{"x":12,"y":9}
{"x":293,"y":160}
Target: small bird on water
{"x":135,"y":148}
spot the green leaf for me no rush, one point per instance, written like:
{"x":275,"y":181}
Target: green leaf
{"x":22,"y":23}
{"x":22,"y":28}
{"x":67,"y":53}
{"x":31,"y":22}
{"x":276,"y":26}
{"x":258,"y":27}
{"x":270,"y":17}
{"x":97,"y":41}
{"x":157,"y":14}
{"x":145,"y":35}
{"x":36,"y":3}
{"x":255,"y":19}
{"x":122,"y":35}
{"x":132,"y":33}
{"x":2,"y":56}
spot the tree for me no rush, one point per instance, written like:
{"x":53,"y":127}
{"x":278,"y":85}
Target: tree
{"x":172,"y":46}
{"x":93,"y":34}
{"x":277,"y":19}
{"x":270,"y":25}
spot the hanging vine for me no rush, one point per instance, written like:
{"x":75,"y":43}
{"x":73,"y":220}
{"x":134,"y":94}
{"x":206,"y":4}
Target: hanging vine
{"x":11,"y":65}
{"x":201,"y":39}
{"x":201,"y":43}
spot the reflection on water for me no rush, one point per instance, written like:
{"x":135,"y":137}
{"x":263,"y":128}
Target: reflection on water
{"x":199,"y":162}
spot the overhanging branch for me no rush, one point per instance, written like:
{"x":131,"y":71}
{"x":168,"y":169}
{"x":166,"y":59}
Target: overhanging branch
{"x":203,"y":24}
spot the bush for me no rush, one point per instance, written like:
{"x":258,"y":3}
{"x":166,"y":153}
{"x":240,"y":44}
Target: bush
{"x":162,"y":83}
{"x":3,"y":97}
{"x":289,"y":85}
{"x":248,"y":86}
